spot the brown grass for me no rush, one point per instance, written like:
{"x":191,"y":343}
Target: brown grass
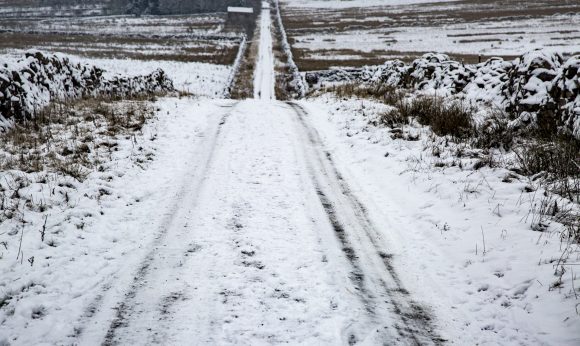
{"x":94,"y":46}
{"x":300,"y":21}
{"x":283,"y":88}
{"x":243,"y":86}
{"x":381,"y":92}
{"x":431,"y":14}
{"x":445,"y":118}
{"x":64,"y":137}
{"x":375,"y":57}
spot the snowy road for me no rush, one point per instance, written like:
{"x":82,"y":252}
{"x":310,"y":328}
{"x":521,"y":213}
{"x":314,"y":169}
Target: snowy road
{"x":263,"y":244}
{"x":264,"y":74}
{"x":266,"y":245}
{"x":261,"y":222}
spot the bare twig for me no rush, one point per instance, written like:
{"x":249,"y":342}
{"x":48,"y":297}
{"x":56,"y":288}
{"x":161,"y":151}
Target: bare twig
{"x":43,"y":232}
{"x":573,"y":288}
{"x":483,"y":236}
{"x":20,"y":245}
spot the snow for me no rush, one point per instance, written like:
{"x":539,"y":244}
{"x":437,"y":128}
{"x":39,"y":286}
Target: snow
{"x":407,"y":30}
{"x":69,"y":277}
{"x":68,"y":281}
{"x":9,"y":11}
{"x":353,"y":3}
{"x":264,"y":74}
{"x":263,"y":222}
{"x":37,"y":78}
{"x":249,"y":250}
{"x":231,"y":235}
{"x":203,"y":25}
{"x":434,"y":221}
{"x":200,"y":79}
{"x":535,"y":83}
{"x":240,"y":9}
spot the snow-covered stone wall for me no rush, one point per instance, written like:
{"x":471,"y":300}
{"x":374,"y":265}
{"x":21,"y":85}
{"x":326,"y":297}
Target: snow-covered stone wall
{"x":29,"y":84}
{"x":538,"y":87}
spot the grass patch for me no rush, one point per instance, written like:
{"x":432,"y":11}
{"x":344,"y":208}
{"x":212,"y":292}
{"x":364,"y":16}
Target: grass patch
{"x":380,"y":92}
{"x":243,"y":85}
{"x":285,"y":87}
{"x":72,"y":138}
{"x":542,"y":153}
{"x":213,"y":51}
{"x":556,"y":162}
{"x":494,"y":132}
{"x":445,"y":118}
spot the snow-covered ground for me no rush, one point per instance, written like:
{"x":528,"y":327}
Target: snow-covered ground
{"x":264,"y":76}
{"x":204,"y":24}
{"x":98,"y":239}
{"x":339,"y":32}
{"x":249,"y":255}
{"x":485,"y":38}
{"x":463,"y":236}
{"x":250,"y":228}
{"x":7,"y":9}
{"x":184,"y":38}
{"x":354,"y":3}
{"x":262,"y":222}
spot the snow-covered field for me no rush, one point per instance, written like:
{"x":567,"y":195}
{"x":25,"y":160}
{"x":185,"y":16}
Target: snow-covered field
{"x":354,"y":3}
{"x":203,"y":24}
{"x":559,"y":33}
{"x":366,"y":33}
{"x":192,"y":38}
{"x":15,"y":9}
{"x":200,"y":79}
{"x":220,"y":50}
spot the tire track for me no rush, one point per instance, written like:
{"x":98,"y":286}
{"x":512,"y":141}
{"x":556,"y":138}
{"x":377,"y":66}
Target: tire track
{"x":189,"y":188}
{"x":126,"y":307}
{"x":372,"y":272}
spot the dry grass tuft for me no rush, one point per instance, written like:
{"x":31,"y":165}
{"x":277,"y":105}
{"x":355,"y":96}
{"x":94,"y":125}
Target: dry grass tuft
{"x":380,"y":92}
{"x":243,"y":85}
{"x":71,"y":138}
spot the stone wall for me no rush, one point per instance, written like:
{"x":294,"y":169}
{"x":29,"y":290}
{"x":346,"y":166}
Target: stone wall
{"x":30,"y":84}
{"x":539,"y":88}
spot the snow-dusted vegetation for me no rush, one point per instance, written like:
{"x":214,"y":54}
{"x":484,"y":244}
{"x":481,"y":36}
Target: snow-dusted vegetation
{"x":538,"y":87}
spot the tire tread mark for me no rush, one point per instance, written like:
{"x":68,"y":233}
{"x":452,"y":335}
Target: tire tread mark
{"x":417,"y":323}
{"x":125,"y":308}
